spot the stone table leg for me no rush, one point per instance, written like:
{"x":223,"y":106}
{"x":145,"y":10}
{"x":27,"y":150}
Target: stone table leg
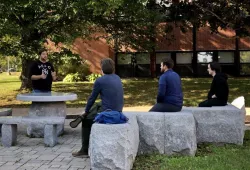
{"x":50,"y":136}
{"x":9,"y":135}
{"x":46,"y":109}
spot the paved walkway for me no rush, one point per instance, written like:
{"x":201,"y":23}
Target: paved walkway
{"x":31,"y":154}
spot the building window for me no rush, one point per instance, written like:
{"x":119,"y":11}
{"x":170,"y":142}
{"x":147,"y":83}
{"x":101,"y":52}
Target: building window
{"x":142,"y":58}
{"x":160,"y":56}
{"x":184,"y":58}
{"x":245,"y":62}
{"x":123,"y":58}
{"x":226,"y":57}
{"x":245,"y":56}
{"x":205,"y":57}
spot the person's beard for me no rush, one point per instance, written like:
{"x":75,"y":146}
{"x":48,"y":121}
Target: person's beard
{"x":43,"y":59}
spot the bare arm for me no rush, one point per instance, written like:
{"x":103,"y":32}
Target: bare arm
{"x":53,"y":74}
{"x":37,"y":77}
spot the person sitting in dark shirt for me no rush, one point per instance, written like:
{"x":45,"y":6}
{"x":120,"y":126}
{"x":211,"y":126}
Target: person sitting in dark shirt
{"x":109,"y":86}
{"x":170,"y":97}
{"x":218,"y":94}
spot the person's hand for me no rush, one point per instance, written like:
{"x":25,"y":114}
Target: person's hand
{"x":84,"y":114}
{"x":43,"y":76}
{"x":214,"y":96}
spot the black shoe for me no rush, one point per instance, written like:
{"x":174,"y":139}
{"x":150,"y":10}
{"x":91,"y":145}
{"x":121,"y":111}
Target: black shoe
{"x":80,"y":154}
{"x":76,"y":122}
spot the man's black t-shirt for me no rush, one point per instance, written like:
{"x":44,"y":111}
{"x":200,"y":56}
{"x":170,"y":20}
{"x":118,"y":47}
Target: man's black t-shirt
{"x":37,"y":69}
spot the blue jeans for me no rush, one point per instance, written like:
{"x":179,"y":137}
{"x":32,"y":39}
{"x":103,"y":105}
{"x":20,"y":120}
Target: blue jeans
{"x":40,"y":91}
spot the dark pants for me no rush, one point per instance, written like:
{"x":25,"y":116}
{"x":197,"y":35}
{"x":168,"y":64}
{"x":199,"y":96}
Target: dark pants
{"x":212,"y":102}
{"x":87,"y":124}
{"x":165,"y":107}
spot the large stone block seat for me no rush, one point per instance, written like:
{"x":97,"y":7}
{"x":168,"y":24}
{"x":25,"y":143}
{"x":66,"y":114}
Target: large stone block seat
{"x":224,"y":124}
{"x":167,"y":133}
{"x":9,"y":128}
{"x":114,"y":146}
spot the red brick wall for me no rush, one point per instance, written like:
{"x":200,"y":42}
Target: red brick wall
{"x":93,"y":51}
{"x":176,"y":41}
{"x":222,"y":41}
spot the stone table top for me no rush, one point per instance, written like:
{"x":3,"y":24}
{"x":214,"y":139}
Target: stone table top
{"x":47,"y":97}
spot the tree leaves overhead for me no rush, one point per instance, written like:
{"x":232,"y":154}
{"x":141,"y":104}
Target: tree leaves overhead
{"x":31,"y":22}
{"x":233,"y":14}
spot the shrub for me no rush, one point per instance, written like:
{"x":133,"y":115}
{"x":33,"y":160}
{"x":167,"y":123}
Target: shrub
{"x":72,"y":78}
{"x":92,"y":77}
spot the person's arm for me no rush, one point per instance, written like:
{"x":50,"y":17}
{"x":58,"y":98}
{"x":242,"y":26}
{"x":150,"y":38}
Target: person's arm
{"x":37,"y":77}
{"x":161,"y":90}
{"x":34,"y":74}
{"x":211,"y":92}
{"x":53,"y":73}
{"x":95,"y":92}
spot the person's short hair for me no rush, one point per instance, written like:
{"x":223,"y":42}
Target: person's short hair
{"x":42,"y":50}
{"x":168,"y":62}
{"x":108,"y":66}
{"x":215,"y":66}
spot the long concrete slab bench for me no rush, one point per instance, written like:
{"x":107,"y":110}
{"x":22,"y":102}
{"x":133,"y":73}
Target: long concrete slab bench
{"x":114,"y":146}
{"x":9,"y":128}
{"x":224,"y":124}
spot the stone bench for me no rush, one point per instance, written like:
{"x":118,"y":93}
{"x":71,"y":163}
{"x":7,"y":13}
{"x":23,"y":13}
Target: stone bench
{"x":167,"y":133}
{"x":5,"y":112}
{"x":114,"y":146}
{"x":224,"y":124}
{"x":9,"y":128}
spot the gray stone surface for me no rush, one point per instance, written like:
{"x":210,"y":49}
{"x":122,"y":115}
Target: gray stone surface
{"x":50,"y":136}
{"x":47,"y":97}
{"x":5,"y":112}
{"x":180,"y":134}
{"x":31,"y":120}
{"x":114,"y":146}
{"x":9,"y":135}
{"x":223,"y":124}
{"x":151,"y":127}
{"x":40,"y":109}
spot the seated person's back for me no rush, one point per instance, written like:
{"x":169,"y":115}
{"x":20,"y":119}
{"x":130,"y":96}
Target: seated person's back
{"x":218,"y":93}
{"x":110,"y":88}
{"x":170,"y":97}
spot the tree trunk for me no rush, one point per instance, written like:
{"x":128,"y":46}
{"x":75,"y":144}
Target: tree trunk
{"x":25,"y":74}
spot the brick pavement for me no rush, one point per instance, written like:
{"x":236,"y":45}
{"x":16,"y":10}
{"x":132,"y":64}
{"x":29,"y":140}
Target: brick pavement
{"x":31,"y":154}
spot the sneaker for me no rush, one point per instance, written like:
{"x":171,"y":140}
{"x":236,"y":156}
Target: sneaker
{"x":76,"y":122}
{"x":80,"y":154}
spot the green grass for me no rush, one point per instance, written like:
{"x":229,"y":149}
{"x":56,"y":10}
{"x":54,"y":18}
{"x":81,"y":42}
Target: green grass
{"x":208,"y":157}
{"x":137,"y":92}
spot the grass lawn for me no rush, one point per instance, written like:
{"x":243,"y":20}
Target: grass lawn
{"x":208,"y":157}
{"x":137,"y":92}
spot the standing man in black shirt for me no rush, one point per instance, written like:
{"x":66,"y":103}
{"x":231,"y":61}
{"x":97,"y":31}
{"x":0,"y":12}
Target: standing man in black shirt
{"x":42,"y":74}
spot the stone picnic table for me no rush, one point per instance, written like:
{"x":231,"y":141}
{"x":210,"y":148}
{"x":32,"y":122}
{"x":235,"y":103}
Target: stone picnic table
{"x":46,"y":104}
